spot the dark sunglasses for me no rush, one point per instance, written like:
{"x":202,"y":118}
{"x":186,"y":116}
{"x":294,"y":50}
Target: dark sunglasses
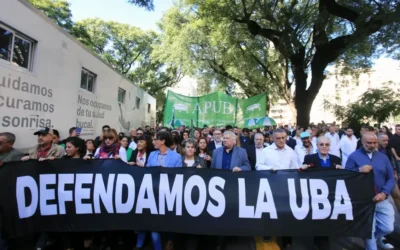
{"x":324,"y":144}
{"x":109,"y":137}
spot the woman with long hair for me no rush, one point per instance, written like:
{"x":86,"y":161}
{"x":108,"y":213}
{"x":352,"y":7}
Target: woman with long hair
{"x":203,"y":151}
{"x":111,"y":147}
{"x":125,"y":141}
{"x":238,"y":142}
{"x":176,"y":146}
{"x":190,"y":157}
{"x":141,"y":154}
{"x":196,"y":134}
{"x":75,"y":148}
{"x":386,"y":130}
{"x":90,"y":148}
{"x":175,"y":133}
{"x":185,"y":135}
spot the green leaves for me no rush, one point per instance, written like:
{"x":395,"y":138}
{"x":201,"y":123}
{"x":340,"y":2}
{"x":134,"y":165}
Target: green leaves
{"x":57,"y":10}
{"x":128,"y":49}
{"x":147,"y":4}
{"x":219,"y":54}
{"x":375,"y":105}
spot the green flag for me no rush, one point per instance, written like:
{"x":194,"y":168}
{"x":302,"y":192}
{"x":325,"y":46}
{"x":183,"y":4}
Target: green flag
{"x":216,"y":109}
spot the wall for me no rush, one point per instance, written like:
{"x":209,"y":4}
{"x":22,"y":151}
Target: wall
{"x":61,"y":103}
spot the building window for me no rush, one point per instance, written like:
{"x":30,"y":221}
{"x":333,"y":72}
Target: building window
{"x":88,"y":80}
{"x":137,"y":102}
{"x":121,"y":95}
{"x":15,"y":48}
{"x":148,"y":107}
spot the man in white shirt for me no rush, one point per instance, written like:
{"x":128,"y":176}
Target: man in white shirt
{"x":278,"y":156}
{"x":348,"y":144}
{"x":306,"y":148}
{"x":335,"y":141}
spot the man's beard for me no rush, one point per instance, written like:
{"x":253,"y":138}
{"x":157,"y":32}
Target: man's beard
{"x":369,"y":151}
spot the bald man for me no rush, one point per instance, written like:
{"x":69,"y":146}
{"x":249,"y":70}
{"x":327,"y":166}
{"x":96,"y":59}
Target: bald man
{"x":364,"y":160}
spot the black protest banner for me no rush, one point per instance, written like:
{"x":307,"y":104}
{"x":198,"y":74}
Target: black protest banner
{"x":104,"y":195}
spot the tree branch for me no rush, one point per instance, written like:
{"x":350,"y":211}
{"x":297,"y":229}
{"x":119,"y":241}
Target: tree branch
{"x":338,"y":10}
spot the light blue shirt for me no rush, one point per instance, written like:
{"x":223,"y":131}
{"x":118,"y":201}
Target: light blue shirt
{"x":170,"y":160}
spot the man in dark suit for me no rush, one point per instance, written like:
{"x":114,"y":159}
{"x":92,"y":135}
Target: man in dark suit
{"x":289,"y":140}
{"x":322,"y":159}
{"x":216,"y":142}
{"x":255,"y":150}
{"x":230,"y":157}
{"x":245,"y":138}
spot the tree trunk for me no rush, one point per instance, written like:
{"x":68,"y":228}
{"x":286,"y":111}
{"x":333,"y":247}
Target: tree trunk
{"x":304,"y":97}
{"x":293,"y":109}
{"x":303,"y":112}
{"x":304,"y":100}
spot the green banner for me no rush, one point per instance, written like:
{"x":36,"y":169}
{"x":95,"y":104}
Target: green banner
{"x":216,"y":109}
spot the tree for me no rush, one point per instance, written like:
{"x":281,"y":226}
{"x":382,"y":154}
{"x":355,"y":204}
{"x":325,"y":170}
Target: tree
{"x":222,"y":55}
{"x":147,"y":4}
{"x":59,"y":11}
{"x":310,"y":35}
{"x":130,"y":51}
{"x":375,"y":105}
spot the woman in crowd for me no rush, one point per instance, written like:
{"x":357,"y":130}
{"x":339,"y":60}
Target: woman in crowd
{"x":190,"y":157}
{"x":90,"y":148}
{"x":238,"y":143}
{"x":141,"y":154}
{"x":185,"y":135}
{"x":204,"y":152}
{"x":111,"y":148}
{"x":176,"y":146}
{"x":386,"y":130}
{"x":75,"y":148}
{"x":125,"y":141}
{"x":175,"y":133}
{"x":196,"y":134}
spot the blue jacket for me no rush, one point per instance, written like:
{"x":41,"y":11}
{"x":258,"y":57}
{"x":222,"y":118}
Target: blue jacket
{"x":173,"y":159}
{"x":383,"y":170}
{"x":239,"y":158}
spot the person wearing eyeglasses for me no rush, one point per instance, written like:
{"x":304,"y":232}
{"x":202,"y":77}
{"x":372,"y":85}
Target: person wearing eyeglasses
{"x":322,"y":159}
{"x":111,"y":147}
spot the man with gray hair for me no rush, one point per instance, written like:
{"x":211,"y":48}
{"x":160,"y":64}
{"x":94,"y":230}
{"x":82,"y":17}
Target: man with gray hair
{"x":255,"y":151}
{"x":230,"y":157}
{"x":322,"y":159}
{"x":278,"y":155}
{"x":7,"y":151}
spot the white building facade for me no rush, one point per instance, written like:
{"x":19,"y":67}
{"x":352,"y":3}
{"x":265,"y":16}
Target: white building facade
{"x":49,"y":79}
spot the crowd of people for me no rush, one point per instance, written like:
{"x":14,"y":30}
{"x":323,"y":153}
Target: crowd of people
{"x":232,"y":149}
